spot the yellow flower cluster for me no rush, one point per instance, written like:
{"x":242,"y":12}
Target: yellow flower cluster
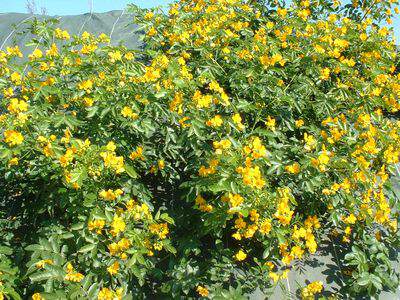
{"x":283,"y":212}
{"x":127,"y":112}
{"x":13,"y":137}
{"x":108,"y":294}
{"x":118,"y":225}
{"x":96,"y":225}
{"x":72,"y":275}
{"x":17,"y":106}
{"x":202,"y":204}
{"x":212,"y":169}
{"x":311,"y":290}
{"x":252,"y":176}
{"x":159,"y":229}
{"x":202,"y":291}
{"x":119,"y":248}
{"x":221,"y":145}
{"x":110,"y":194}
{"x":40,"y":264}
{"x":111,"y":160}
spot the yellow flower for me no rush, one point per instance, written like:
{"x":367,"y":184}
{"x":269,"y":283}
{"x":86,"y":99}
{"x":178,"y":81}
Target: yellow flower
{"x":16,"y":106}
{"x":96,"y":225}
{"x":14,"y":51}
{"x":113,"y":161}
{"x":152,"y":31}
{"x":113,"y":269}
{"x":103,"y":38}
{"x":182,"y":122}
{"x":237,"y":119}
{"x":86,"y":85}
{"x":202,"y":291}
{"x":282,"y":12}
{"x":16,"y":78}
{"x":283,"y":212}
{"x":274,"y":276}
{"x":138,"y":153}
{"x":299,"y":123}
{"x":13,"y":161}
{"x":310,"y":142}
{"x":74,"y":277}
{"x":271,"y":123}
{"x":252,"y":176}
{"x":240,"y":255}
{"x":325,"y":73}
{"x":265,"y":226}
{"x":160,"y":229}
{"x":202,"y":101}
{"x":311,"y":243}
{"x":293,"y":168}
{"x":235,"y":200}
{"x":161,"y":164}
{"x":128,"y":113}
{"x":13,"y":138}
{"x":237,"y":236}
{"x":36,"y":296}
{"x":312,"y":221}
{"x":221,"y":145}
{"x":151,"y":74}
{"x":66,"y":158}
{"x":110,"y":194}
{"x":86,"y":35}
{"x":118,"y":225}
{"x":297,"y":252}
{"x":351,"y":219}
{"x":310,"y":290}
{"x":216,"y":121}
{"x":40,"y":264}
{"x":53,"y":51}
{"x":111,"y":146}
{"x":115,"y":56}
{"x":62,"y":34}
{"x":37,"y":53}
{"x":105,"y":294}
{"x":129,"y":56}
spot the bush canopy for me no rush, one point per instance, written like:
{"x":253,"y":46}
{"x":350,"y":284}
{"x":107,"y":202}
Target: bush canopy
{"x":243,"y":137}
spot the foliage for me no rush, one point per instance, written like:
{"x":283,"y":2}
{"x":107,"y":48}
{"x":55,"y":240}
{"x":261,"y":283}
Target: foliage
{"x":206,"y":163}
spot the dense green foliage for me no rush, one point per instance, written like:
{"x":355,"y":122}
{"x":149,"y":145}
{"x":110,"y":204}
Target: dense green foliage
{"x":239,"y":140}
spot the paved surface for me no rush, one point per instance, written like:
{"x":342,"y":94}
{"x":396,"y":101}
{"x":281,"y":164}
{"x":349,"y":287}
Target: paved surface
{"x":323,"y":266}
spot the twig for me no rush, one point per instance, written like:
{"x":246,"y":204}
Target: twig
{"x":116,"y":21}
{"x":369,"y":9}
{"x":12,"y":32}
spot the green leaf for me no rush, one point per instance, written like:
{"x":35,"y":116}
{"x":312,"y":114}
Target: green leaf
{"x":41,"y":276}
{"x":169,"y":247}
{"x":364,"y":279}
{"x":167,"y":218}
{"x":130,"y":171}
{"x":78,"y":226}
{"x":92,"y":111}
{"x":160,"y":94}
{"x":5,"y":250}
{"x":79,"y":175}
{"x":34,"y":247}
{"x":87,"y":248}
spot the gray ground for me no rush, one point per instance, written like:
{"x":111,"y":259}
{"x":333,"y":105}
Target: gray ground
{"x":325,"y":266}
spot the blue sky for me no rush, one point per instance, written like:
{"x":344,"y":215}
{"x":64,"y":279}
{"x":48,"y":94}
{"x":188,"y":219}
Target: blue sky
{"x":73,"y":7}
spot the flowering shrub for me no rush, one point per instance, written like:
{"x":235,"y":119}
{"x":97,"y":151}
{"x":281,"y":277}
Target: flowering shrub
{"x":240,"y":138}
